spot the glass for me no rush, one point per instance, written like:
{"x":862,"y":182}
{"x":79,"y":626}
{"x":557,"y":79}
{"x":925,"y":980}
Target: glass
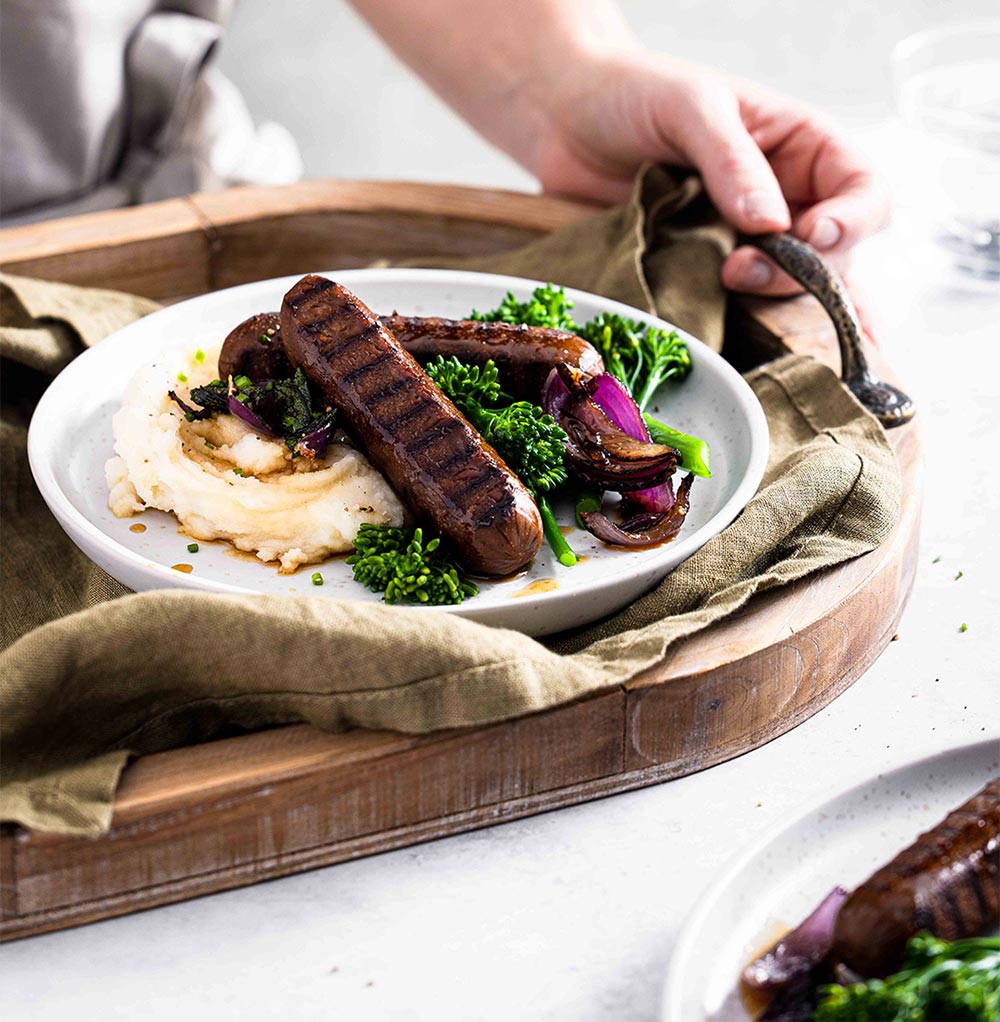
{"x":947,"y":83}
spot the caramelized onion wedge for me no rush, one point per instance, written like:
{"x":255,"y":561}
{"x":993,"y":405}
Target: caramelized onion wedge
{"x":613,"y":398}
{"x":799,"y":951}
{"x":643,"y":530}
{"x":597,"y":450}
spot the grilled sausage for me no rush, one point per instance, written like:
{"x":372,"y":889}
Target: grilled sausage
{"x":412,"y":433}
{"x":945,"y":882}
{"x":525,"y":354}
{"x":244,"y":353}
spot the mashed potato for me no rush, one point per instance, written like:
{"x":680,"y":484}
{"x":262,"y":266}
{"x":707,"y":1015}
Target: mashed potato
{"x":223,"y":481}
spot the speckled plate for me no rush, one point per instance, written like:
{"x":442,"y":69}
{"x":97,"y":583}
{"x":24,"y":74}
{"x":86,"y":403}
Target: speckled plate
{"x":775,"y":883}
{"x":70,"y":440}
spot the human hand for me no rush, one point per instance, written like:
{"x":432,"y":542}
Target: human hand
{"x":769,"y":162}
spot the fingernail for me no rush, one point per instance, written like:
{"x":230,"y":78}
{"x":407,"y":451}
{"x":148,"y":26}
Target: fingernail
{"x":763,"y":206}
{"x":756,"y":275}
{"x":825,"y":234}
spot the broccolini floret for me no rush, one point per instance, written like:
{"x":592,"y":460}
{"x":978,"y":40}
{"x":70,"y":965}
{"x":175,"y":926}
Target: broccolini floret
{"x":548,"y":307}
{"x":939,"y":980}
{"x":400,"y":564}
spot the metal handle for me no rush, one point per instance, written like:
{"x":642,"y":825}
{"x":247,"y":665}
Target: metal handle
{"x":803,"y":264}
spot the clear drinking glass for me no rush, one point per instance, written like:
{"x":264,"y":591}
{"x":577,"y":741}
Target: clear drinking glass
{"x":947,"y":83}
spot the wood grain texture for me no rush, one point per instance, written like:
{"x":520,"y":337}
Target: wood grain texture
{"x":221,"y":815}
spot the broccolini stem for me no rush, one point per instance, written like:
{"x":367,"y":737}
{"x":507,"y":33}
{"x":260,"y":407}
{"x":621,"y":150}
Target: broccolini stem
{"x":653,"y":382}
{"x":694,"y":450}
{"x":588,"y":499}
{"x":556,"y":540}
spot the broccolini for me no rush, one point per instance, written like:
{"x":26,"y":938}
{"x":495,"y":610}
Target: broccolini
{"x":400,"y":564}
{"x":939,"y":980}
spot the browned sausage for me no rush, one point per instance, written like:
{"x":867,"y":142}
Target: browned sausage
{"x":246,"y":353}
{"x":525,"y":355}
{"x":945,"y":882}
{"x":412,"y":433}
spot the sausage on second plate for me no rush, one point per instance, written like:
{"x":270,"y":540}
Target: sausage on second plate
{"x":947,"y":882}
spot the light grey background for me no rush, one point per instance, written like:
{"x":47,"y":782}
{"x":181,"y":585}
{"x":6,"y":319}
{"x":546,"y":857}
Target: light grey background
{"x":356,"y":111}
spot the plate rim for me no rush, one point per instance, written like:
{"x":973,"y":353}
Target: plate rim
{"x":671,"y":1003}
{"x":70,"y":517}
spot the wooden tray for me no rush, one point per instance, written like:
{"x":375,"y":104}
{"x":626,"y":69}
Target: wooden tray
{"x":232,"y":812}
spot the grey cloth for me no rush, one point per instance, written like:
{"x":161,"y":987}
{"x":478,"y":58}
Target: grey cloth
{"x":106,"y":104}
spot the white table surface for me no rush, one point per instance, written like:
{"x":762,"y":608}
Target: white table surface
{"x":572,"y":915}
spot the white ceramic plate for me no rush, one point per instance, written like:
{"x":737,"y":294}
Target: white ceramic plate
{"x":70,"y":440}
{"x":780,"y":879}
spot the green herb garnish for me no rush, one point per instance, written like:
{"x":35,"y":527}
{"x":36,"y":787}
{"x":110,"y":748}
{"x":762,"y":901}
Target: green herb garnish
{"x":287,"y":407}
{"x":192,"y":548}
{"x":400,"y":564}
{"x":317,"y":578}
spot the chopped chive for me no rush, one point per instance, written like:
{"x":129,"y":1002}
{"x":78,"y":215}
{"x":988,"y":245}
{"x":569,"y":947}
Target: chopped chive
{"x":237,"y":472}
{"x":264,"y":339}
{"x":964,"y":627}
{"x":317,"y":578}
{"x":182,"y":378}
{"x":210,"y":445}
{"x":192,"y":548}
{"x":199,"y":356}
{"x":936,"y":559}
{"x":959,"y":575}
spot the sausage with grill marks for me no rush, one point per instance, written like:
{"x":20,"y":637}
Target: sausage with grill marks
{"x":947,"y":882}
{"x":525,"y":355}
{"x":445,"y":472}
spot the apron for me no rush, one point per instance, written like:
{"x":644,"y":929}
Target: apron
{"x":106,"y":104}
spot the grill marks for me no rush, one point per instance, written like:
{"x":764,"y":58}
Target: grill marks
{"x":947,"y":882}
{"x":526,"y":354}
{"x":437,"y":462}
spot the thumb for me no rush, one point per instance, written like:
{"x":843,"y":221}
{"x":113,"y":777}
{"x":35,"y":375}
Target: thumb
{"x":736,"y":173}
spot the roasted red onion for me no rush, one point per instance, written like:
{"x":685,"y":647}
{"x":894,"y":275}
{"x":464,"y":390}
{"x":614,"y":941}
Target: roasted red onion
{"x":241,"y":411}
{"x":314,"y":444}
{"x":644,"y":530}
{"x":598,"y":451}
{"x":797,"y":952}
{"x":613,"y":398}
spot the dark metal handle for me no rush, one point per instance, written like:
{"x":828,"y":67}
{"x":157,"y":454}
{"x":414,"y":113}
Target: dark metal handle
{"x":803,"y":264}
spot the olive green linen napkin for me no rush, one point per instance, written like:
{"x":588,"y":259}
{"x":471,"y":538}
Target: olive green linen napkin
{"x":95,"y":676}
